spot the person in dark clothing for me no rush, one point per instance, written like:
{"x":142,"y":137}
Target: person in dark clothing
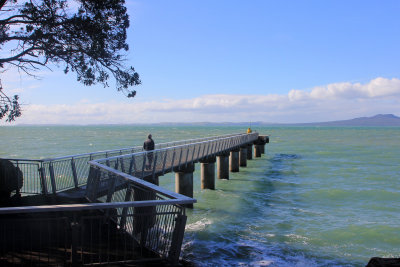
{"x":148,"y":145}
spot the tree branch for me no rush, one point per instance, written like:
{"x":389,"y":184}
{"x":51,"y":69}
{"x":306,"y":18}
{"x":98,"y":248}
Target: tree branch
{"x":2,"y":3}
{"x":7,"y":20}
{"x":16,"y":57}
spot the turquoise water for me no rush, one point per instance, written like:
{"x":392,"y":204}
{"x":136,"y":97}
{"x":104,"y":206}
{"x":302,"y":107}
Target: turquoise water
{"x":318,"y":197}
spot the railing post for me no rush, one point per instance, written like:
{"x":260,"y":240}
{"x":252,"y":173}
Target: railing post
{"x":213,"y":145}
{"x":93,"y":183}
{"x":107,"y":161}
{"x":52,"y":178}
{"x":43,"y":179}
{"x":208,"y":148}
{"x":221,"y":143}
{"x":177,"y":238}
{"x":180,"y":157}
{"x":111,"y":187}
{"x":132,"y":166}
{"x":198,"y":153}
{"x":165,"y":161}
{"x":173,"y":160}
{"x":187,"y":156}
{"x":124,"y":214}
{"x":144,"y":164}
{"x":194,"y":149}
{"x":75,"y":176}
{"x":154,"y":170}
{"x":122,"y":164}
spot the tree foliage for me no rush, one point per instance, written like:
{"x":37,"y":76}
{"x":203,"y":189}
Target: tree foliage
{"x":87,"y":37}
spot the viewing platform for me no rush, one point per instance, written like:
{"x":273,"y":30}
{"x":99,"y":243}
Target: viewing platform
{"x":107,"y":207}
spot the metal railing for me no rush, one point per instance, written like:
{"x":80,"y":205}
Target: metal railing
{"x":67,"y":172}
{"x":127,"y":219}
{"x":160,"y":161}
{"x":137,"y":220}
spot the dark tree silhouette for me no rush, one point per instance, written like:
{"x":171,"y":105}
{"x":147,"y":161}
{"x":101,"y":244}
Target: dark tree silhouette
{"x":87,"y":37}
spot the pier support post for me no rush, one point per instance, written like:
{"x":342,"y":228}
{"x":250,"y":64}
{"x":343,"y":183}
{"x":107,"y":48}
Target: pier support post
{"x":234,"y":160}
{"x":208,"y":173}
{"x":250,"y":151}
{"x":184,"y":181}
{"x":223,"y":166}
{"x":243,"y":156}
{"x":259,"y":145}
{"x":257,"y":150}
{"x":264,"y":140}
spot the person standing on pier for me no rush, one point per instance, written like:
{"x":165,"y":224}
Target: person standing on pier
{"x":148,"y":145}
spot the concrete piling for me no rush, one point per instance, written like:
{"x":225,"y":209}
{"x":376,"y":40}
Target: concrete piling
{"x":264,"y":140}
{"x":243,"y":156}
{"x":208,"y":173}
{"x":184,"y":181}
{"x":257,"y":150}
{"x":259,"y":145}
{"x":249,"y":151}
{"x":234,"y":160}
{"x":223,"y":166}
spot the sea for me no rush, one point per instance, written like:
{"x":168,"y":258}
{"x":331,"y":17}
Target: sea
{"x":319,"y":196}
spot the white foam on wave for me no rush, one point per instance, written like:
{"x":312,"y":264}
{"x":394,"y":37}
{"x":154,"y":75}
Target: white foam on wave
{"x":199,"y":225}
{"x":298,"y":260}
{"x":294,"y":237}
{"x":262,"y":263}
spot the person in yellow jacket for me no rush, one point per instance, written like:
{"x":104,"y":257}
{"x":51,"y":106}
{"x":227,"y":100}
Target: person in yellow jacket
{"x":249,"y":130}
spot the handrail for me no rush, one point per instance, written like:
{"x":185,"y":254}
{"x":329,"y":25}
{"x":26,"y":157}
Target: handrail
{"x":63,"y":173}
{"x":135,"y":147}
{"x":89,"y":206}
{"x":181,"y":155}
{"x":163,"y":149}
{"x":122,"y":149}
{"x":136,"y":209}
{"x":148,"y":185}
{"x":133,"y":204}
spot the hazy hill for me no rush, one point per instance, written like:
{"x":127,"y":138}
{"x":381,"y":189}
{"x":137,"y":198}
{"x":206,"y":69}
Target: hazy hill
{"x":377,"y":120}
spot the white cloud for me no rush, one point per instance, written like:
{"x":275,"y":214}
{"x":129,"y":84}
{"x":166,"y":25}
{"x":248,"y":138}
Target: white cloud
{"x":322,"y":103}
{"x":379,"y":87}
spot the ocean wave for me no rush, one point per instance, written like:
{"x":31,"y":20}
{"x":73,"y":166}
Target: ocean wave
{"x":199,"y":225}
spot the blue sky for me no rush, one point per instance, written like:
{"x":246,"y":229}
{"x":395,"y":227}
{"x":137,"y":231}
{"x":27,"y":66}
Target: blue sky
{"x":273,"y":61}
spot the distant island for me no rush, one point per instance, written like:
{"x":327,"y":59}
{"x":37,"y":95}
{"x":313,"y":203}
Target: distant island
{"x":377,"y":120}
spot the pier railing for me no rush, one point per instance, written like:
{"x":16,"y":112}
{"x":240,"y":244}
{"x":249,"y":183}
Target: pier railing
{"x":134,"y":220}
{"x":160,"y":161}
{"x":62,"y":173}
{"x":126,"y":218}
